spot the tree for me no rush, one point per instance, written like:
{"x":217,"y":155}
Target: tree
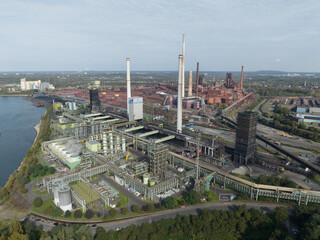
{"x":192,"y":197}
{"x":101,"y":234}
{"x":78,"y":213}
{"x":67,"y":213}
{"x":281,"y":214}
{"x":168,"y":202}
{"x":37,"y":202}
{"x":57,"y":212}
{"x":210,"y":196}
{"x":148,"y":207}
{"x":113,"y":212}
{"x":136,"y":209}
{"x":124,"y":211}
{"x":16,"y":226}
{"x":89,"y":214}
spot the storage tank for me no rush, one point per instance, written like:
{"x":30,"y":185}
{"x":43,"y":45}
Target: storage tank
{"x":146,"y":177}
{"x":55,"y":188}
{"x":65,"y":198}
{"x":152,"y":182}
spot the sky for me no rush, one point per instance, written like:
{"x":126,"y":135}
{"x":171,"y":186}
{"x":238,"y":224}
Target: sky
{"x":77,"y":35}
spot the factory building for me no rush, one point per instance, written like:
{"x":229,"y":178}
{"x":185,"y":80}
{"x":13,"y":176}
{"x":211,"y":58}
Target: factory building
{"x":30,"y":85}
{"x":94,"y":101}
{"x":135,"y":108}
{"x":245,"y":137}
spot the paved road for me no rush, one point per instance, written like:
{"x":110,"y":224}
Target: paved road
{"x":32,"y":195}
{"x":157,"y":216}
{"x":192,"y":210}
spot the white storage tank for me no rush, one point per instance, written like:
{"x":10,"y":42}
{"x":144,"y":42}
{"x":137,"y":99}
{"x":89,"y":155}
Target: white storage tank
{"x":65,"y":198}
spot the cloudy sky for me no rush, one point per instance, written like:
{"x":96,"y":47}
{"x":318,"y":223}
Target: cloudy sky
{"x":222,"y":35}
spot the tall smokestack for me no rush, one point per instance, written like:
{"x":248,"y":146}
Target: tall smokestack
{"x":197,"y":79}
{"x":179,"y":98}
{"x":128,"y":84}
{"x":183,"y":54}
{"x":241,"y":84}
{"x":190,"y":84}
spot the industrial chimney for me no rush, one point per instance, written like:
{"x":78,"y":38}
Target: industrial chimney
{"x":179,"y":98}
{"x":183,"y":57}
{"x":241,"y":84}
{"x":197,"y":80}
{"x":128,"y":84}
{"x":190,"y":84}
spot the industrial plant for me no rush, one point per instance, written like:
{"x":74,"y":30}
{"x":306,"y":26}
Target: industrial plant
{"x":94,"y":148}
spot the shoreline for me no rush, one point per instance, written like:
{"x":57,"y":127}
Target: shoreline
{"x":37,"y":128}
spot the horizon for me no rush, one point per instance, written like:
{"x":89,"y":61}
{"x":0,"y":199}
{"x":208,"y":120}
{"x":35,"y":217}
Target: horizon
{"x":139,"y":71}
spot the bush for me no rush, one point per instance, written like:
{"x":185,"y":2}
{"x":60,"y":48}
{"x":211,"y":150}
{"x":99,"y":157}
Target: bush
{"x":98,"y":214}
{"x":113,"y":212}
{"x":67,"y":213}
{"x":124,"y":211}
{"x":78,"y":213}
{"x":89,"y":214}
{"x":37,"y":202}
{"x":118,"y":204}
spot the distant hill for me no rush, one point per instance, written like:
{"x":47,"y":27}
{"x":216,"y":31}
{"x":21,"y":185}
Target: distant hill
{"x":270,"y":72}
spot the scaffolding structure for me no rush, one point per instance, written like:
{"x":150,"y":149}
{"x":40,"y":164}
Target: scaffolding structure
{"x":158,"y":154}
{"x":245,"y":147}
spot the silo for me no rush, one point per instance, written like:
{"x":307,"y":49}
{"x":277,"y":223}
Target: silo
{"x":55,"y":188}
{"x":65,"y":198}
{"x":146,"y":177}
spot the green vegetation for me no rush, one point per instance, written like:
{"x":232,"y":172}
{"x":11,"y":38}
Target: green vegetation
{"x":113,"y":212}
{"x":21,"y":176}
{"x":77,"y":214}
{"x":190,"y":198}
{"x":89,"y":214}
{"x":39,"y":171}
{"x":37,"y":202}
{"x":275,"y":180}
{"x":45,"y":206}
{"x":35,"y":189}
{"x":282,"y":120}
{"x":124,"y":200}
{"x":256,"y":102}
{"x":240,"y":223}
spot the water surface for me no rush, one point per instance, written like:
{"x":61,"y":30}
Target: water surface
{"x":18,"y":117}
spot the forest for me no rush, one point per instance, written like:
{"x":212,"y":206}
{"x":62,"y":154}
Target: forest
{"x":239,"y":223}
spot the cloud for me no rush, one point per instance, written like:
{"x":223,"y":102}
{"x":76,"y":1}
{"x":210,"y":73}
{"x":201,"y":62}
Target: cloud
{"x":99,"y":34}
{"x":278,"y":60}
